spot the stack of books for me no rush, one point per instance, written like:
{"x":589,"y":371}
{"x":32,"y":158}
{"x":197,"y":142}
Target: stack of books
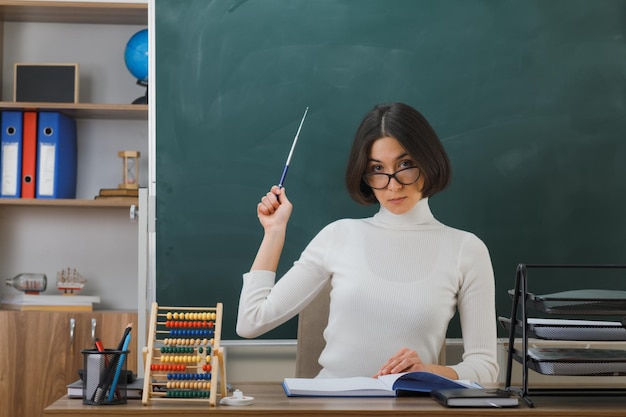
{"x":118,"y":194}
{"x":41,"y":302}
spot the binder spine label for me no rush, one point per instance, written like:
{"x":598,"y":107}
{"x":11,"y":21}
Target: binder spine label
{"x":47,"y":161}
{"x":10,"y":154}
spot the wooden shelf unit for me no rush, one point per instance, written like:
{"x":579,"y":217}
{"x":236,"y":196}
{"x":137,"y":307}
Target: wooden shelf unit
{"x":29,"y":386}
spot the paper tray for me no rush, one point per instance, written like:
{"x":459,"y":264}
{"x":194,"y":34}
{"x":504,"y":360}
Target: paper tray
{"x":592,"y":301}
{"x":574,"y":361}
{"x":557,"y":329}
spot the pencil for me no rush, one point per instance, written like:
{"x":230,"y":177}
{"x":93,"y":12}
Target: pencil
{"x":126,"y":331}
{"x":120,"y":364}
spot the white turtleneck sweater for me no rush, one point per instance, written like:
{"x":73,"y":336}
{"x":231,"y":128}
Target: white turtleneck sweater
{"x":396,"y":282}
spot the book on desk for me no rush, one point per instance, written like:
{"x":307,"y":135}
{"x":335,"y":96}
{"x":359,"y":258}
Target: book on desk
{"x":486,"y":397}
{"x":391,"y":385}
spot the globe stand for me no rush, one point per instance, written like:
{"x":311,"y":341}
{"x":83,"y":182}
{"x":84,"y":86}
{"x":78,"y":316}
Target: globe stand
{"x":144,"y":98}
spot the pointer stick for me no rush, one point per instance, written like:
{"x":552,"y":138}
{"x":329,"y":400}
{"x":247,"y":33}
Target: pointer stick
{"x":293,"y":145}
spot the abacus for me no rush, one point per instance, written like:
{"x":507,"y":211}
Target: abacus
{"x":183,"y":354}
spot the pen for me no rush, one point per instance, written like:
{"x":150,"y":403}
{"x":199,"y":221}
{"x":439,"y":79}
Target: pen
{"x":293,"y":145}
{"x":98,"y":395}
{"x":100,"y":348}
{"x":123,"y":339}
{"x":99,"y":345}
{"x":120,"y":363}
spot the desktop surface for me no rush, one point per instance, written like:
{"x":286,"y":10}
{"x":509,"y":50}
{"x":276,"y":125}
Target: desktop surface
{"x":270,"y":400}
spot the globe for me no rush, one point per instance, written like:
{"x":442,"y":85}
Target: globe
{"x":136,"y":56}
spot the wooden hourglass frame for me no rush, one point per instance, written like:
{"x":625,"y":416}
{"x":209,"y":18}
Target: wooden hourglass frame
{"x":130,"y":173}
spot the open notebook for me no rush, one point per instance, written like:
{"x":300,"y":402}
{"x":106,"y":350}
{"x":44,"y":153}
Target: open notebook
{"x":383,"y":386}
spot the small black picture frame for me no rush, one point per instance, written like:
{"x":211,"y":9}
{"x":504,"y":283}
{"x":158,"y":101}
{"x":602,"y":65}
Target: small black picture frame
{"x":45,"y":83}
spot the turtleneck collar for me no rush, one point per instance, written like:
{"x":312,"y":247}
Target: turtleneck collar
{"x":419,"y":215}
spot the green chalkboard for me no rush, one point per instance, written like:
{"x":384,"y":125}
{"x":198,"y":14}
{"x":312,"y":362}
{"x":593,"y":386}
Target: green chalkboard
{"x":528,"y":97}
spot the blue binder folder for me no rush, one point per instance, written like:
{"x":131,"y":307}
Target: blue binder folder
{"x":56,"y":156}
{"x":11,"y":155}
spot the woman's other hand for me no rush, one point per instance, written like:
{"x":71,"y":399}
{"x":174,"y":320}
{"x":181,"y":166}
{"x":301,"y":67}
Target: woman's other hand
{"x":405,"y":360}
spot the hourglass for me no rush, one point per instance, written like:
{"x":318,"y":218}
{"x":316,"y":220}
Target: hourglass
{"x":131,"y":169}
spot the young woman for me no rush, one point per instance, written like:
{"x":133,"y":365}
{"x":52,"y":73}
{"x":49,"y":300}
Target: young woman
{"x":397,"y":277}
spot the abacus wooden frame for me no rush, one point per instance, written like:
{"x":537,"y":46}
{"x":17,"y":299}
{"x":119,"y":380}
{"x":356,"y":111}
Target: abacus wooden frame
{"x":218,"y":367}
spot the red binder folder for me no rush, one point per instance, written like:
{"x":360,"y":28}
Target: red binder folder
{"x":29,"y":154}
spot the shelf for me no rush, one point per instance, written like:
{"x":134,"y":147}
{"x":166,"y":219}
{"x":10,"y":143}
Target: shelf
{"x":74,"y":12}
{"x":65,"y":202}
{"x":85,"y":110}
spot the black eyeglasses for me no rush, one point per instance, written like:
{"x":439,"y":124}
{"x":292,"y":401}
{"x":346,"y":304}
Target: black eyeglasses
{"x":405,"y":176}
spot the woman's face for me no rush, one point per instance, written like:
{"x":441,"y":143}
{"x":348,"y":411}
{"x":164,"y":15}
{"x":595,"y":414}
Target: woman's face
{"x":388,"y":156}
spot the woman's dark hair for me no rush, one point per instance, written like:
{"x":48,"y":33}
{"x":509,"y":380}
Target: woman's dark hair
{"x":409,"y":127}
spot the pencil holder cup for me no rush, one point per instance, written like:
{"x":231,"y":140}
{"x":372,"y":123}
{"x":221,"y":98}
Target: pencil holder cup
{"x":104,"y":376}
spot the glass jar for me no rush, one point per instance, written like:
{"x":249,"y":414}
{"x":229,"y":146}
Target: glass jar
{"x":30,"y":283}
